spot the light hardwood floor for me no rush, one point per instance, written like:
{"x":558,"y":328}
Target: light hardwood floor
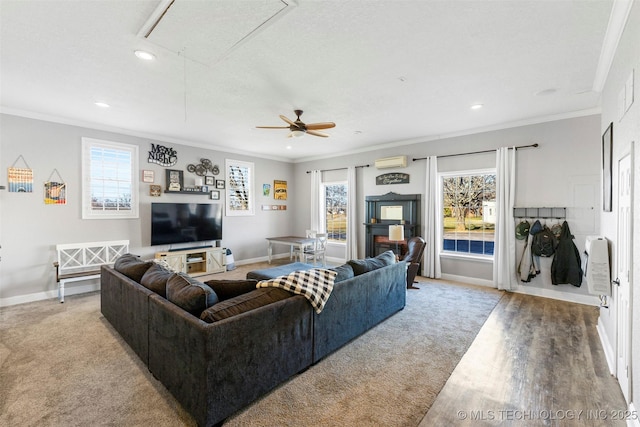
{"x":535,"y":362}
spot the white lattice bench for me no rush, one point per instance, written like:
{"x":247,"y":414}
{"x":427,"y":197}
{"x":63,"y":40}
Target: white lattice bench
{"x":82,"y":261}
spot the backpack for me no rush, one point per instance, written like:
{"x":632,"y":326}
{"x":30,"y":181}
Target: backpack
{"x":544,"y":243}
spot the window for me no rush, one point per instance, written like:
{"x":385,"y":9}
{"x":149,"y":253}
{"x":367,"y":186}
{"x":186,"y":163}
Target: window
{"x":239,"y":188}
{"x":110,"y":172}
{"x":335,"y":203}
{"x":468,"y":214}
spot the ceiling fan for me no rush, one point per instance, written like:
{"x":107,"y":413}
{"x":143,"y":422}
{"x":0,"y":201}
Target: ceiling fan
{"x":298,"y":128}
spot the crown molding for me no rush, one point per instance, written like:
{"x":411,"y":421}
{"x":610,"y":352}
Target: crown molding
{"x":617,"y":21}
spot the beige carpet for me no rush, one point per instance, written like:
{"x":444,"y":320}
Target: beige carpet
{"x":63,"y":365}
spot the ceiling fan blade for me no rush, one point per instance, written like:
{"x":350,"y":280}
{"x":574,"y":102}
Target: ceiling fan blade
{"x":272,"y":127}
{"x":323,"y":125}
{"x":288,"y":121}
{"x":316,"y":133}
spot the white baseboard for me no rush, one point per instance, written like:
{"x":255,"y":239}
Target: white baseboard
{"x":469,"y":280}
{"x":40,"y":296}
{"x":559,"y":295}
{"x":606,"y":345}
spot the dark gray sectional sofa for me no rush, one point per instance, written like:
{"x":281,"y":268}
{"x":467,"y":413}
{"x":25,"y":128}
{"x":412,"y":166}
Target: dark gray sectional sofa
{"x":258,"y":338}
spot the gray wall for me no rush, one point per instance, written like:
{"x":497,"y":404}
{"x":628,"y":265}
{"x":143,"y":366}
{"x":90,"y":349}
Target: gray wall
{"x":29,"y":229}
{"x":626,"y":131}
{"x":563,"y":172}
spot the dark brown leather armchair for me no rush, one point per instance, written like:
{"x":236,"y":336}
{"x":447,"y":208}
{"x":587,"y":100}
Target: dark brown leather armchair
{"x":413,"y":258}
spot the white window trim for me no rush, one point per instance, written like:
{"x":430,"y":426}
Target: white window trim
{"x":87,"y":212}
{"x":453,"y":254}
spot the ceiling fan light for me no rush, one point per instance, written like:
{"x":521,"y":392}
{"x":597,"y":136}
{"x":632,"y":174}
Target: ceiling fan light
{"x":297,"y":133}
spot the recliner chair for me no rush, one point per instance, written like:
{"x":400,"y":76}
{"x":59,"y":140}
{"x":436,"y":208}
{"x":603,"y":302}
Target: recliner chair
{"x":413,"y":258}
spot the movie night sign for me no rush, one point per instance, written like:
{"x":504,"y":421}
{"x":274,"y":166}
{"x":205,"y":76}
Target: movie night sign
{"x":392,"y":178}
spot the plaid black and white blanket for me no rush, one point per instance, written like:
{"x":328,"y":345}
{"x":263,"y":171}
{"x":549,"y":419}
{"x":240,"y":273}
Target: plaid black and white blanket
{"x":315,"y":285}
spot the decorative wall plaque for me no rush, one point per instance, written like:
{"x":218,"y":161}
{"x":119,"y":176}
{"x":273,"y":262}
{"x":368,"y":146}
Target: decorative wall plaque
{"x":392,"y":178}
{"x":163,"y":156}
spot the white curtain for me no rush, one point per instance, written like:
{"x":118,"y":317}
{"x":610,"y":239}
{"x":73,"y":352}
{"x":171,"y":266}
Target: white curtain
{"x":316,"y":209}
{"x":352,"y":214}
{"x":432,"y":221}
{"x":504,"y":252}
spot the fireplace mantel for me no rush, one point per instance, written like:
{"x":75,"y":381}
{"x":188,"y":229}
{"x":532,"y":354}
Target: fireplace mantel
{"x":376,"y":226}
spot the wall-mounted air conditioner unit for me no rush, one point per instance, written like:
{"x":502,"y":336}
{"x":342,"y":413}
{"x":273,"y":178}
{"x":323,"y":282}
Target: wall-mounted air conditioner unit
{"x":392,"y":162}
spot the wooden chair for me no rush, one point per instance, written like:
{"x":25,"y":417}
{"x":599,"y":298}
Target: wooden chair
{"x":295,"y":252}
{"x":318,"y":250}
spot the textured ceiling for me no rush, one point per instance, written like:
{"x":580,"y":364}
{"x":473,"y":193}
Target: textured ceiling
{"x":385,"y":72}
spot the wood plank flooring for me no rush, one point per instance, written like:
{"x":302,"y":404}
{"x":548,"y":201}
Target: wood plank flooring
{"x":535,"y":362}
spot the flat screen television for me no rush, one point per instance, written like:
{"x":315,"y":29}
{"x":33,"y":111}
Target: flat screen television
{"x":185,"y":222}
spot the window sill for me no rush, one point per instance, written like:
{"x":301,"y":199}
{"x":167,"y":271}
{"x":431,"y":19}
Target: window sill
{"x":467,"y":257}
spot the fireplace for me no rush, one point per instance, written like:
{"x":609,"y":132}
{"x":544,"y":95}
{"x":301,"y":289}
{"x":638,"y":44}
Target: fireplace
{"x":388,"y":209}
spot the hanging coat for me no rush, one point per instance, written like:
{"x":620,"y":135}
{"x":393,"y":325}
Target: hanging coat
{"x":526,"y":267}
{"x":566,"y":266}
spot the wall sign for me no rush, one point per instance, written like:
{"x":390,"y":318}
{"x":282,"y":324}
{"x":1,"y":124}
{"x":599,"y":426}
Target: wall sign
{"x":392,"y":178}
{"x":163,"y":156}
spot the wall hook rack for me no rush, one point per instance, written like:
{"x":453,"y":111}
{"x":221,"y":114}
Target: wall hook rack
{"x":540,"y":213}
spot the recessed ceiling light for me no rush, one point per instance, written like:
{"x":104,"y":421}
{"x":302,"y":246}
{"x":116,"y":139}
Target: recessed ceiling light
{"x":476,"y":106}
{"x":102,"y":104}
{"x":147,"y":56}
{"x":289,"y":147}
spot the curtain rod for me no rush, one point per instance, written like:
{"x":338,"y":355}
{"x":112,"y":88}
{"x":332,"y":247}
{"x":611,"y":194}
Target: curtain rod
{"x":337,"y":169}
{"x":478,"y":152}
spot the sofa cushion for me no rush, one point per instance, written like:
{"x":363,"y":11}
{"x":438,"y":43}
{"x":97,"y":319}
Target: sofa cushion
{"x":189,"y":294}
{"x":155,"y":279}
{"x":361,"y":266}
{"x":226,"y":289}
{"x":345,"y":272}
{"x":132,"y":266}
{"x":243,"y":303}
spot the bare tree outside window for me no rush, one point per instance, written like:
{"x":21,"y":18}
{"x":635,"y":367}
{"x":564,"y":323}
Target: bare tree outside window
{"x":469,"y":203}
{"x":335,"y":202}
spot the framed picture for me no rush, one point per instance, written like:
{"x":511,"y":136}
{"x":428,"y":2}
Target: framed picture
{"x":280,"y":190}
{"x":607,"y":153}
{"x":204,"y":188}
{"x":240,"y":193}
{"x":215,"y":195}
{"x":209,"y":180}
{"x":220,"y":184}
{"x":175,"y":180}
{"x":147,"y":176}
{"x":155,"y":190}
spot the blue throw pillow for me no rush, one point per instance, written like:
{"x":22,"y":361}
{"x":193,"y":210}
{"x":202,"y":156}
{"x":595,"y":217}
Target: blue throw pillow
{"x":345,"y":272}
{"x":361,"y":266}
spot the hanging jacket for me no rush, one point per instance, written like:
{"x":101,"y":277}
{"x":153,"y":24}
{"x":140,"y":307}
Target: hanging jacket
{"x":526,"y":267}
{"x":566,"y":266}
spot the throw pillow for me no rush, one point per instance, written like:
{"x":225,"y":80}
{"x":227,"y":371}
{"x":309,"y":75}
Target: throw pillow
{"x":361,"y":266}
{"x":132,"y":266}
{"x":155,"y":279}
{"x":189,"y":294}
{"x":243,"y":303}
{"x":165,"y":264}
{"x":226,"y":289}
{"x":345,"y":272}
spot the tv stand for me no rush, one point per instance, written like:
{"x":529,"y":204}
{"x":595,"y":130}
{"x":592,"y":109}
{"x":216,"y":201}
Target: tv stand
{"x":196,"y":261}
